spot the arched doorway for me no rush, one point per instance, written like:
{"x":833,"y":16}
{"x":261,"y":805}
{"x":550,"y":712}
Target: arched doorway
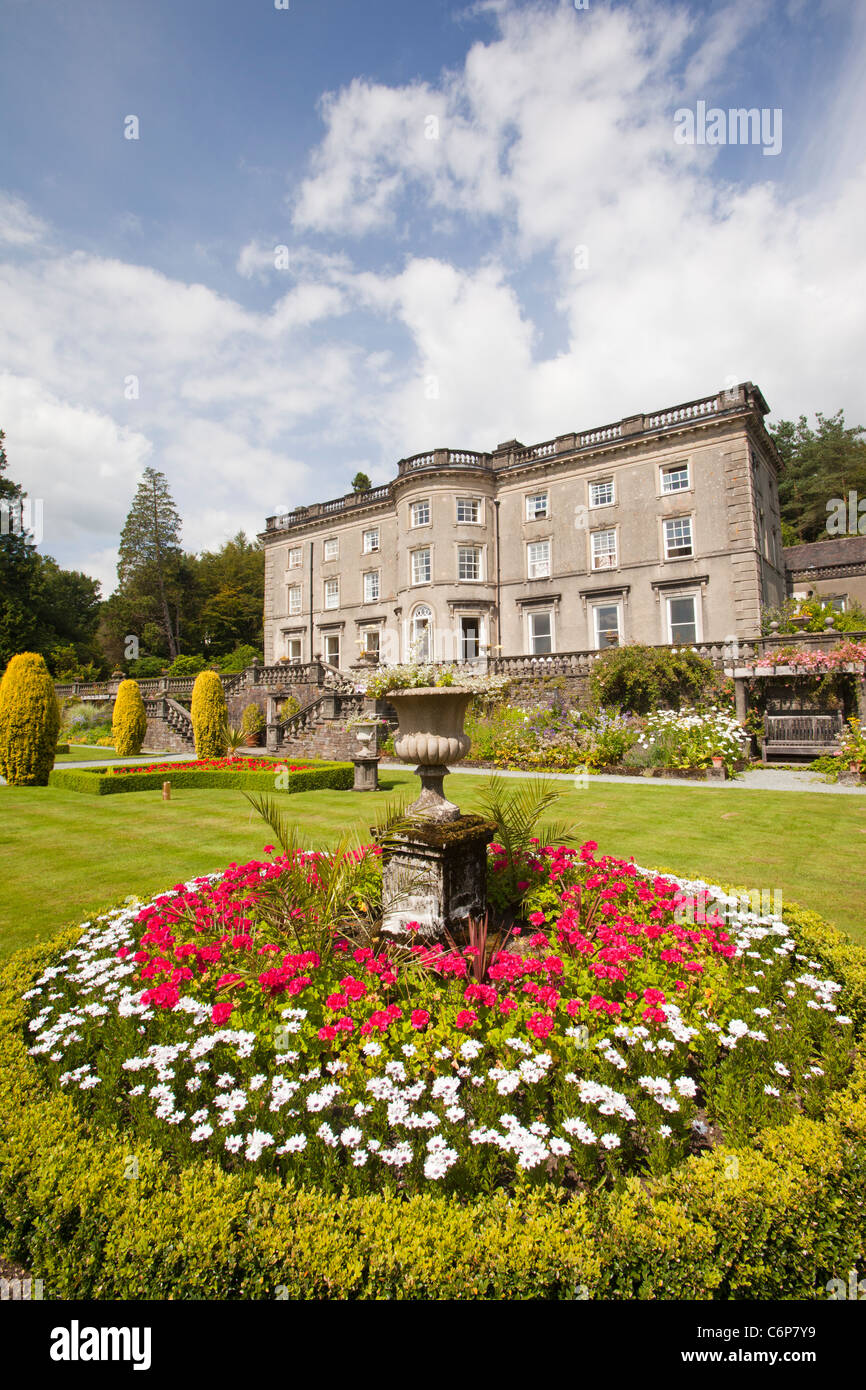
{"x":421,"y":634}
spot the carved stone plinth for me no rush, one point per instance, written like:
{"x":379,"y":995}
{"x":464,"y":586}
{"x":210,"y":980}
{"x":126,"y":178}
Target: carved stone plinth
{"x":435,"y":873}
{"x":366,"y":774}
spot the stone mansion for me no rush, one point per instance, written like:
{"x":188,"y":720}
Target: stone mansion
{"x":658,"y":528}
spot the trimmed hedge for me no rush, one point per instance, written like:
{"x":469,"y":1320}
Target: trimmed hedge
{"x":96,"y":1215}
{"x":29,"y":721}
{"x":210,"y":720}
{"x":129,"y":720}
{"x":97,"y":782}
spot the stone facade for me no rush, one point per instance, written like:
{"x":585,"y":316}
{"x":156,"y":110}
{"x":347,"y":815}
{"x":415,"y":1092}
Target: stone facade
{"x":658,"y":528}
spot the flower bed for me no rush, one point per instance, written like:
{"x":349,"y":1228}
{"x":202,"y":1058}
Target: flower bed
{"x":107,"y":1194}
{"x":612,"y":1038}
{"x":209,"y":764}
{"x":812,"y":659}
{"x":228,"y":774}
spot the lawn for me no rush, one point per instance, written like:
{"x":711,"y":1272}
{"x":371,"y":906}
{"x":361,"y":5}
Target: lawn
{"x":63,"y":856}
{"x":91,"y":753}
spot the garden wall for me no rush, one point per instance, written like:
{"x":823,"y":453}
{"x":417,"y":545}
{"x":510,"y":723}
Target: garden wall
{"x":542,"y":690}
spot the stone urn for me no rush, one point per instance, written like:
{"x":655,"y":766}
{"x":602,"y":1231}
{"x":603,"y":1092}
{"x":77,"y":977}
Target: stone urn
{"x":431,"y":734}
{"x":365,"y":733}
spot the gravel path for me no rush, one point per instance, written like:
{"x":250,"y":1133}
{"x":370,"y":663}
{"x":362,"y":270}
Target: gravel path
{"x":773,"y":780}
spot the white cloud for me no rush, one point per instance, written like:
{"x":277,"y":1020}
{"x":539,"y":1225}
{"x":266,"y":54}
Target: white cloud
{"x":18,"y":225}
{"x":558,"y":132}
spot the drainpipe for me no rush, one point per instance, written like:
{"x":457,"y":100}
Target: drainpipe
{"x":311,"y":600}
{"x":498,"y":612}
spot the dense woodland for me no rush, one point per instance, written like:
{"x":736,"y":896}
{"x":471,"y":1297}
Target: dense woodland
{"x":181,"y":611}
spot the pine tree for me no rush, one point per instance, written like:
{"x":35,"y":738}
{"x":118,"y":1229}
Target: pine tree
{"x":29,"y":721}
{"x":150,"y":553}
{"x":821,"y":466}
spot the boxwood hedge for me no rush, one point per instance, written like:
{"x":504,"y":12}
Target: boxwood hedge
{"x":97,"y":1216}
{"x":96,"y":781}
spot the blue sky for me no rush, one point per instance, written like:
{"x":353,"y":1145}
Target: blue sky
{"x":431,"y":169}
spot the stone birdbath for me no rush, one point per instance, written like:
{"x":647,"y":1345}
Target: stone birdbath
{"x":434,"y":871}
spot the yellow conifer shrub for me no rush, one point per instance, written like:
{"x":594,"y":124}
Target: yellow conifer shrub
{"x":29,"y":721}
{"x":210,"y":720}
{"x":129,"y":720}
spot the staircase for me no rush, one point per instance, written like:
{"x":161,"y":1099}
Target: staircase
{"x":169,"y":726}
{"x":319,"y":729}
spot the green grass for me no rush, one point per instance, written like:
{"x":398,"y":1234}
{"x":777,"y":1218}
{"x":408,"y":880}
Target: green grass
{"x":63,"y":856}
{"x":92,"y":753}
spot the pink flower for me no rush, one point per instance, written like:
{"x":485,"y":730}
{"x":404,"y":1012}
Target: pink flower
{"x":419,"y":1018}
{"x":654,"y":996}
{"x":540,"y":1025}
{"x":220,"y":1013}
{"x":466,"y":1018}
{"x":537,"y":919}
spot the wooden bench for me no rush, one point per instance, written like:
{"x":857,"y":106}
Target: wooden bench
{"x":815,"y":734}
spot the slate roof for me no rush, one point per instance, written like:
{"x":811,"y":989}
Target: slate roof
{"x":830,"y":554}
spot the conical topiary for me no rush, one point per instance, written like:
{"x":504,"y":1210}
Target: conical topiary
{"x":129,"y":721}
{"x":210,"y":720}
{"x":29,"y":721}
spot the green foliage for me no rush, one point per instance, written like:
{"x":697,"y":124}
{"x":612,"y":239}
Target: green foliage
{"x":97,"y":781}
{"x":147,"y":667}
{"x":361,"y":483}
{"x":818,"y":612}
{"x":187,"y":665}
{"x":639,"y":678}
{"x":820,"y":465}
{"x":29,"y":721}
{"x":252,"y":721}
{"x":238,"y":660}
{"x":210,"y":721}
{"x":289,"y":707}
{"x":129,"y":721}
{"x":518,"y":810}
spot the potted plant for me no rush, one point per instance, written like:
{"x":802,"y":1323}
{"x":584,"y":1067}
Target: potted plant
{"x":252,"y":724}
{"x":235,"y":739}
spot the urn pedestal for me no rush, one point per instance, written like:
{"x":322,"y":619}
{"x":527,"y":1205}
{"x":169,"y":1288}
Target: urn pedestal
{"x":434,"y":871}
{"x":366,"y":774}
{"x":435,"y":874}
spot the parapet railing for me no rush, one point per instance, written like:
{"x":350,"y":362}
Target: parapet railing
{"x":278,"y":676}
{"x":299,"y":516}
